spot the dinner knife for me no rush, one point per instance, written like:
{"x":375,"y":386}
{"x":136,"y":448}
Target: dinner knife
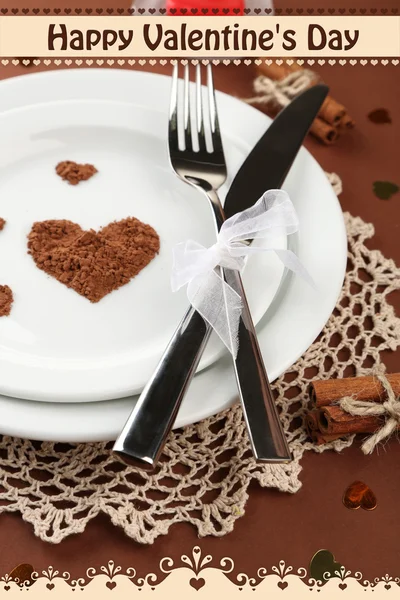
{"x":144,"y":434}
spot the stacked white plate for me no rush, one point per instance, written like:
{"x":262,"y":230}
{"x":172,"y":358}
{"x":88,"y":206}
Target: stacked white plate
{"x":69,"y":369}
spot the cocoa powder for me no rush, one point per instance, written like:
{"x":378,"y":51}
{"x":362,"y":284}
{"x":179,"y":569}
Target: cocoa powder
{"x":2,"y":223}
{"x":93,"y":263}
{"x":74,"y":172}
{"x":6,"y":300}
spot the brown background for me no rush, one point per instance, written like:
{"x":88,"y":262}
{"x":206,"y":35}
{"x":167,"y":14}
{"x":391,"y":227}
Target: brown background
{"x":275,"y":525}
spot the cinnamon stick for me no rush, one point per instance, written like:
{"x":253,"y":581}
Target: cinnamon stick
{"x":319,"y":438}
{"x":325,"y":392}
{"x":346,"y":123}
{"x":312,"y":420}
{"x":324,"y":132}
{"x":332,"y":420}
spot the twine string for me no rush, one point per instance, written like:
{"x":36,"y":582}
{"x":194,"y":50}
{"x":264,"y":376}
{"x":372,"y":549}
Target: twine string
{"x":281,"y":92}
{"x":390,"y":410}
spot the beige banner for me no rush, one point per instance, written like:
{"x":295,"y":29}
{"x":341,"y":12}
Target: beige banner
{"x":345,"y":36}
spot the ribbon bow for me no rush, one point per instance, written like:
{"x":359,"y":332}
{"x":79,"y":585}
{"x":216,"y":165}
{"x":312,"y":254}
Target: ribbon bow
{"x":196,"y":266}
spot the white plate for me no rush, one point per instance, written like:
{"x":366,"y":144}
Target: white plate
{"x":56,"y":345}
{"x":292,"y":322}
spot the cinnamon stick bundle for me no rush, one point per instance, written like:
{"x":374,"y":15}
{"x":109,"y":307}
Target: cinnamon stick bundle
{"x":327,"y":421}
{"x":333,"y":116}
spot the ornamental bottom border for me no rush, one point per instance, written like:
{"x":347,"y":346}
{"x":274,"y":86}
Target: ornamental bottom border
{"x":198,"y":571}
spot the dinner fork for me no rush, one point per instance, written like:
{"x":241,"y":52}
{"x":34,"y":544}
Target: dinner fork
{"x":203,"y":167}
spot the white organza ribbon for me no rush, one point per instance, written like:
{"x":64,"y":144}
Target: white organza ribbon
{"x":196,"y":266}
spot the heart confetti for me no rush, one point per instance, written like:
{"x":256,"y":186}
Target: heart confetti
{"x":357,"y":495}
{"x":380,"y":116}
{"x":384,"y":190}
{"x":323,"y":562}
{"x":22,"y":573}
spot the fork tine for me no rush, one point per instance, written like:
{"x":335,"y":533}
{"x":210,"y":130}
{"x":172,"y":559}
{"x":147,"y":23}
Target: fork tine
{"x":213,"y":114}
{"x":173,"y":139}
{"x":187,"y":124}
{"x":200,"y":112}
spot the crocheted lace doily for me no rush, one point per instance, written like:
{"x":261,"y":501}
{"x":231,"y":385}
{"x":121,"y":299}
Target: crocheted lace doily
{"x":206,"y":468}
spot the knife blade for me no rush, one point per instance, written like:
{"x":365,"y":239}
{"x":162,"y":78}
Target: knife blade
{"x":144,"y":434}
{"x":268,"y":164}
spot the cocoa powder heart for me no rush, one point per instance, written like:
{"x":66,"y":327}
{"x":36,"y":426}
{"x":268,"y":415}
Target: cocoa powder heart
{"x":93,"y":263}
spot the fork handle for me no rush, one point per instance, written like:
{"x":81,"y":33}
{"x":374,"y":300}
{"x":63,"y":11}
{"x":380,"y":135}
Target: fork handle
{"x":143,"y":437}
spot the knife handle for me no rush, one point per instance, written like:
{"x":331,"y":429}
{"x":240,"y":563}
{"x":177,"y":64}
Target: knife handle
{"x":144,"y":434}
{"x":266,"y":435}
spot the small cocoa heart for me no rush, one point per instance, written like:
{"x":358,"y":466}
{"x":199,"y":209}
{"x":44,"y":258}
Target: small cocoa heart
{"x":93,"y":263}
{"x":111,"y":585}
{"x":50,"y":586}
{"x":197,"y":583}
{"x":343,"y":586}
{"x":357,"y":495}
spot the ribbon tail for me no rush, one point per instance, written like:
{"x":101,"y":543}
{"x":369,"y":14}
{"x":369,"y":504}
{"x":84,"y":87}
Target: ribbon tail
{"x":219,"y":305}
{"x":291,"y":261}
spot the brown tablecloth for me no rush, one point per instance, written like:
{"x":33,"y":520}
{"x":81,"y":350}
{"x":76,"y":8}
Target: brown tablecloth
{"x":315,"y":517}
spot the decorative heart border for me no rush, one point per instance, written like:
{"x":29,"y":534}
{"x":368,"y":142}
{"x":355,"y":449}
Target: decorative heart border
{"x":195,"y":571}
{"x":195,"y":11}
{"x":104,"y":62}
